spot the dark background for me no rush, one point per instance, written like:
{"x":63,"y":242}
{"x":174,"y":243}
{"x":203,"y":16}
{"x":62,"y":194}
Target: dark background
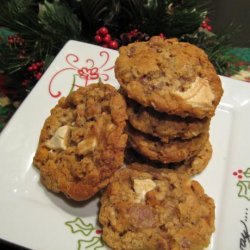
{"x":237,"y":12}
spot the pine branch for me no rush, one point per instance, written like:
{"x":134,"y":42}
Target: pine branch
{"x":216,"y":46}
{"x":91,"y":15}
{"x":9,"y":60}
{"x":46,"y":25}
{"x":183,"y":17}
{"x":59,"y":21}
{"x":19,"y":15}
{"x":155,"y":17}
{"x":126,"y":15}
{"x":171,"y":17}
{"x":44,"y":32}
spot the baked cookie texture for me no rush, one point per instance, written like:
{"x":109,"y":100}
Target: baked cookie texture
{"x":147,"y":208}
{"x":196,"y":164}
{"x":162,"y":125}
{"x":82,"y":141}
{"x":170,"y":76}
{"x":176,"y":150}
{"x":190,"y":167}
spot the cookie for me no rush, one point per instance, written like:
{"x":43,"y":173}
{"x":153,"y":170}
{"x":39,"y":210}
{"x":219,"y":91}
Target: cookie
{"x":176,"y":150}
{"x":170,"y":76}
{"x":162,"y":125}
{"x":193,"y":166}
{"x":82,"y":141}
{"x":148,"y":208}
{"x":196,"y":164}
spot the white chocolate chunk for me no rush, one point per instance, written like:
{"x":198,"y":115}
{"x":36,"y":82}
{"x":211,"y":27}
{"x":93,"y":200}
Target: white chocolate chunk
{"x":141,"y":187}
{"x":86,"y":146}
{"x":199,"y":94}
{"x":58,"y":140}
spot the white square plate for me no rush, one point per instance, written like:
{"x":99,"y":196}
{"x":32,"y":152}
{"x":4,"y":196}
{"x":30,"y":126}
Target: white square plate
{"x":33,"y":217}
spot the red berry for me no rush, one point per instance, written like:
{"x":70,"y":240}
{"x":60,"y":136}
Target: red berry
{"x":38,"y":75}
{"x":41,"y":63}
{"x":10,"y":40}
{"x":209,"y":28}
{"x":25,"y":82}
{"x":103,"y":31}
{"x":30,"y":68}
{"x":34,"y":66}
{"x":204,"y":24}
{"x":105,"y":45}
{"x":134,"y":32}
{"x":113,"y":44}
{"x":107,"y":39}
{"x":98,"y":39}
{"x":161,"y":35}
{"x":98,"y":231}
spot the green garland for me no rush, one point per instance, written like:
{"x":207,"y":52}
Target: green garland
{"x":43,"y":27}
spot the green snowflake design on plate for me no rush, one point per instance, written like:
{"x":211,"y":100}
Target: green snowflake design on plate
{"x":90,"y":235}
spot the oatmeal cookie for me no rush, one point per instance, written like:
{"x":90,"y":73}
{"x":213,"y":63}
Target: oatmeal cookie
{"x":146,"y":208}
{"x":196,"y":164}
{"x":82,"y":142}
{"x":190,"y":167}
{"x":162,"y":125}
{"x":170,"y":76}
{"x":175,"y":150}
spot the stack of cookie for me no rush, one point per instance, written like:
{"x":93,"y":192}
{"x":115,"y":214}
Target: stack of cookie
{"x":172,"y":91}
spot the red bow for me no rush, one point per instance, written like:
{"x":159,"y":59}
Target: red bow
{"x":88,"y":74}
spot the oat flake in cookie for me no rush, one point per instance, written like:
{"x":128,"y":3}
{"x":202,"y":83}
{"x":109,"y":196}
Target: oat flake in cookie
{"x":146,"y":208}
{"x":170,"y":76}
{"x":176,"y":150}
{"x":191,"y":167}
{"x":82,"y":142}
{"x":196,"y":164}
{"x":162,"y":125}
